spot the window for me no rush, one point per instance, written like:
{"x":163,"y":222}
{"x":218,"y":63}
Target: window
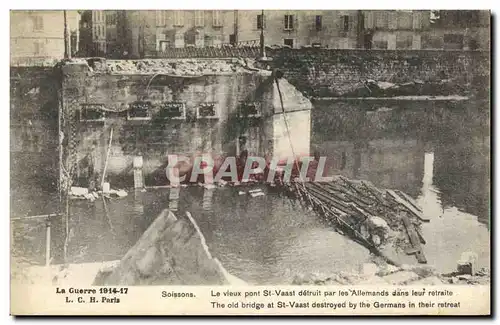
{"x":261,"y":24}
{"x":161,"y":18}
{"x":369,"y":20}
{"x":37,"y":23}
{"x":216,"y":18}
{"x":288,"y":22}
{"x":199,"y":18}
{"x":380,"y":44}
{"x":92,"y":113}
{"x":319,"y":22}
{"x":39,"y":48}
{"x":179,"y":40}
{"x":199,"y":40}
{"x":404,"y":41}
{"x":178,"y":18}
{"x":249,"y":109}
{"x":217,"y":40}
{"x":453,"y":41}
{"x":417,"y":20}
{"x":172,"y":110}
{"x":164,"y":45}
{"x":381,"y":20}
{"x":111,"y":18}
{"x":405,"y":19}
{"x":345,"y":23}
{"x":288,"y":42}
{"x":206,"y":110}
{"x":139,"y":111}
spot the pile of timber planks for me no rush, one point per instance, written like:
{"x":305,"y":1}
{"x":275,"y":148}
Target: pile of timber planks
{"x":348,"y":204}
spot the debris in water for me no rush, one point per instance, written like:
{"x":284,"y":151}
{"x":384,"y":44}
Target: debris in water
{"x":257,"y":194}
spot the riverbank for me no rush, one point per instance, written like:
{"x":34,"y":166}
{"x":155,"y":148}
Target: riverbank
{"x":369,"y":274}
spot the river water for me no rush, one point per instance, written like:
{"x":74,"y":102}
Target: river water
{"x":438,"y":152}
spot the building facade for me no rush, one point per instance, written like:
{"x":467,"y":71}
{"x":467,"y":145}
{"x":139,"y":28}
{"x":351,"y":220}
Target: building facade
{"x":395,"y":29}
{"x":152,"y":33}
{"x":298,"y":28}
{"x":99,"y":32}
{"x":37,"y":36}
{"x":459,"y":30}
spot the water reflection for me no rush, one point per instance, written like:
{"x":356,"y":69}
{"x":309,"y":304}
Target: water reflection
{"x":438,"y":154}
{"x":388,"y":147}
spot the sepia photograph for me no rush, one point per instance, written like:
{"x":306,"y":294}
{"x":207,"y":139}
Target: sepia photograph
{"x":314,"y":149}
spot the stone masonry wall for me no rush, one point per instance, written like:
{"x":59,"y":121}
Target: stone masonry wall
{"x":156,"y":137}
{"x":332,"y":73}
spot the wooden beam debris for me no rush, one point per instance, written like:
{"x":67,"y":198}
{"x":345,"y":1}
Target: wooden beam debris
{"x":349,"y":204}
{"x":414,"y":241}
{"x":407,"y":205}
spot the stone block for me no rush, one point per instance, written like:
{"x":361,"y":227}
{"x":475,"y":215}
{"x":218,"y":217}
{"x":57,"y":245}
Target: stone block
{"x":467,"y":263}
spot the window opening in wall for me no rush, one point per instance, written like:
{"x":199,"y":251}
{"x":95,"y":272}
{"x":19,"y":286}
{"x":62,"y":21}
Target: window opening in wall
{"x":382,"y":45}
{"x":161,"y":18}
{"x":111,"y":18}
{"x":38,"y":23}
{"x":178,"y":18}
{"x":216,"y":18}
{"x":249,"y":109}
{"x":199,"y":18}
{"x":139,"y":111}
{"x":39,"y":48}
{"x":288,"y":22}
{"x":453,"y":41}
{"x":92,"y":113}
{"x":288,"y":42}
{"x":345,"y":23}
{"x":319,"y":22}
{"x":206,"y":110}
{"x":172,"y":110}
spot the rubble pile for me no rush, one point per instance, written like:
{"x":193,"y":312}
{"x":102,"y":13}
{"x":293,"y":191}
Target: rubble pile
{"x":176,"y":67}
{"x":382,"y":220}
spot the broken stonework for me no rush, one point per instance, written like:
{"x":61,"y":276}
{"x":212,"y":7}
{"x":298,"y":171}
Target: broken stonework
{"x":175,"y":67}
{"x":170,"y":252}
